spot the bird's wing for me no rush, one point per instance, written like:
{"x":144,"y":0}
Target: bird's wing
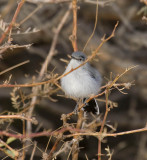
{"x":94,"y":73}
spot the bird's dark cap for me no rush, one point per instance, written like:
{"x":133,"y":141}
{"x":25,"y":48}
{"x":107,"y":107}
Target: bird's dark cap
{"x":78,"y":56}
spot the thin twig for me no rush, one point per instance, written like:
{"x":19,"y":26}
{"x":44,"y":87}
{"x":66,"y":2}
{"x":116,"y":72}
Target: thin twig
{"x":15,"y":66}
{"x":103,"y":123}
{"x":96,"y":134}
{"x":75,"y":147}
{"x":13,"y":21}
{"x":58,"y":140}
{"x":54,"y":42}
{"x":96,"y":19}
{"x":69,"y":153}
{"x":48,"y":144}
{"x":30,"y":15}
{"x":101,"y":3}
{"x":11,"y":149}
{"x":73,"y":37}
{"x":18,"y":117}
{"x":24,"y":132}
{"x":34,"y":149}
{"x":77,"y":133}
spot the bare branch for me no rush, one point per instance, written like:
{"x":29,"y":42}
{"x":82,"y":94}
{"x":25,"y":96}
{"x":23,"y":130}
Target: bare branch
{"x":13,"y":21}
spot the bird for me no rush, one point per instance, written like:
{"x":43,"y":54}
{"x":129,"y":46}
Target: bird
{"x":82,"y":83}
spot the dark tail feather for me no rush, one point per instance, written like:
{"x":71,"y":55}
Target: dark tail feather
{"x":91,"y":106}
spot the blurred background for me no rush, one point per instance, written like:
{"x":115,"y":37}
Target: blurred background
{"x":128,"y":48}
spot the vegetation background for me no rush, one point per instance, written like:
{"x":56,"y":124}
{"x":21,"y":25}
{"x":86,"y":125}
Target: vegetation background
{"x":35,"y":41}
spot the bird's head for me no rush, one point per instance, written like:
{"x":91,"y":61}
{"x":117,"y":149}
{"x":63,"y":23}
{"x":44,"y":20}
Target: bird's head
{"x":79,"y":56}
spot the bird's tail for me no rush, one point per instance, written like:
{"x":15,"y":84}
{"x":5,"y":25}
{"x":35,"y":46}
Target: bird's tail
{"x":91,"y":106}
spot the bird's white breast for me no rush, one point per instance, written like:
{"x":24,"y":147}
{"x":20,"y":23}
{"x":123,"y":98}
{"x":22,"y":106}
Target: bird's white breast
{"x":79,"y":83}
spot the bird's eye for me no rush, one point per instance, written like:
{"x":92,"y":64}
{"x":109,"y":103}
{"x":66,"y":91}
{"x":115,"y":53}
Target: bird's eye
{"x":81,"y":58}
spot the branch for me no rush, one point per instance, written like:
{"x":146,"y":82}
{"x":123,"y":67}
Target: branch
{"x":33,"y":120}
{"x":16,"y":153}
{"x":103,"y":123}
{"x":13,"y":21}
{"x":79,"y":132}
{"x":96,"y":20}
{"x":54,"y":42}
{"x":75,"y":147}
{"x":98,"y":134}
{"x":54,"y":147}
{"x":15,"y":66}
{"x":73,"y":37}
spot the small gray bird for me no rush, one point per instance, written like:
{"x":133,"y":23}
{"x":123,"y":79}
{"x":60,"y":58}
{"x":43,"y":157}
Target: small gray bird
{"x":82,"y":82}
